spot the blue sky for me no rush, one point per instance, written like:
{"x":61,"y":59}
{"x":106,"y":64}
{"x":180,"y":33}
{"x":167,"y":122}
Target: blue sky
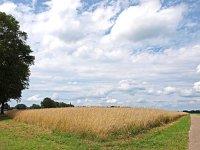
{"x":138,"y":53}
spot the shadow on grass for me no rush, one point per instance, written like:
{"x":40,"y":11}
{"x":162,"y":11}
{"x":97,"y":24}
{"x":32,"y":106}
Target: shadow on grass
{"x":4,"y":117}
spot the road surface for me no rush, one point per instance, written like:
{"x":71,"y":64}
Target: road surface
{"x":194,"y":134}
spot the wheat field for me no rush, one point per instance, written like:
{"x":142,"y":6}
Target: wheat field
{"x":96,"y":120}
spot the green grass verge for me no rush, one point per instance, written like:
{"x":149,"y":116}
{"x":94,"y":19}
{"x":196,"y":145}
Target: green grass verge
{"x":196,"y":114}
{"x":174,"y":137}
{"x":20,"y":136}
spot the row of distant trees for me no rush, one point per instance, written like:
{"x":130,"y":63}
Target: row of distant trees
{"x":46,"y":103}
{"x":49,"y":103}
{"x":192,"y":111}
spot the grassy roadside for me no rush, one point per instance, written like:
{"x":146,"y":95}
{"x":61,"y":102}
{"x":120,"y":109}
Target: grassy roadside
{"x":20,"y":136}
{"x":174,"y":137}
{"x":196,"y":114}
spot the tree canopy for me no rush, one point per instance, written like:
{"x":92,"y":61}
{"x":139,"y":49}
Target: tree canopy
{"x":35,"y":106}
{"x":15,"y":59}
{"x":20,"y":106}
{"x":49,"y":103}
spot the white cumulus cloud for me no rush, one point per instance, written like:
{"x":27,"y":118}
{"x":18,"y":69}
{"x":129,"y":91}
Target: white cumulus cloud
{"x":94,"y":53}
{"x":197,"y":86}
{"x":147,"y":21}
{"x":34,"y":98}
{"x":169,"y":90}
{"x":198,"y":69}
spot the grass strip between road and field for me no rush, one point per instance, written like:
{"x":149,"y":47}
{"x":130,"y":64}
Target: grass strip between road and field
{"x":172,"y":137}
{"x":21,"y":136}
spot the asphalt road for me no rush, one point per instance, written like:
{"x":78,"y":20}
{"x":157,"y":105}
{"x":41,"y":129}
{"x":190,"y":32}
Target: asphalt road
{"x":194,"y":134}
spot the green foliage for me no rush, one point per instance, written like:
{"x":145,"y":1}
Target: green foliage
{"x":35,"y":106}
{"x":192,"y":111}
{"x":49,"y":103}
{"x":15,"y":59}
{"x":174,"y":137}
{"x":20,"y":106}
{"x":56,"y":104}
{"x":62,"y":104}
{"x":6,"y":106}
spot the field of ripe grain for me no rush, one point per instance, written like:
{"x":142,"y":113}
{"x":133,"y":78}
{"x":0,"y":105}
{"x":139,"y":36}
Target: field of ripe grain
{"x":98,"y":121}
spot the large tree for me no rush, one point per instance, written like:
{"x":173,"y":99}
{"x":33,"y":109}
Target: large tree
{"x":15,"y":60}
{"x":48,"y":103}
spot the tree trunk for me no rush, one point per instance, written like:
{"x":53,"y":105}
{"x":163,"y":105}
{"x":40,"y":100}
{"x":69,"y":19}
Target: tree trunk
{"x":2,"y":108}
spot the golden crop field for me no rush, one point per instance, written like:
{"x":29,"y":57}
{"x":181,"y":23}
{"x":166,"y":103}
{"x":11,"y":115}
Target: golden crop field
{"x":96,"y":120}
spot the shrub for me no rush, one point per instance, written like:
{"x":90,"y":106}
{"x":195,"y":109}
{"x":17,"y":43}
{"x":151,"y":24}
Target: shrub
{"x":61,"y":104}
{"x":20,"y":106}
{"x":35,"y":106}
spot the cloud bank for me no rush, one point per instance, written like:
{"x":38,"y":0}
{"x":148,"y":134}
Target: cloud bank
{"x":111,"y":53}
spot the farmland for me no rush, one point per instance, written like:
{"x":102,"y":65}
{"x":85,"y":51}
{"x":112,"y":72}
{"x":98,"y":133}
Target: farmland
{"x":17,"y":135}
{"x":102,"y":122}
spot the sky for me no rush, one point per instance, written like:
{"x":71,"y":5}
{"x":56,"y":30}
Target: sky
{"x":136,"y":53}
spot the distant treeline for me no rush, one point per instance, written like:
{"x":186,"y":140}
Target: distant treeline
{"x":49,"y":103}
{"x":192,"y":111}
{"x":46,"y":103}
